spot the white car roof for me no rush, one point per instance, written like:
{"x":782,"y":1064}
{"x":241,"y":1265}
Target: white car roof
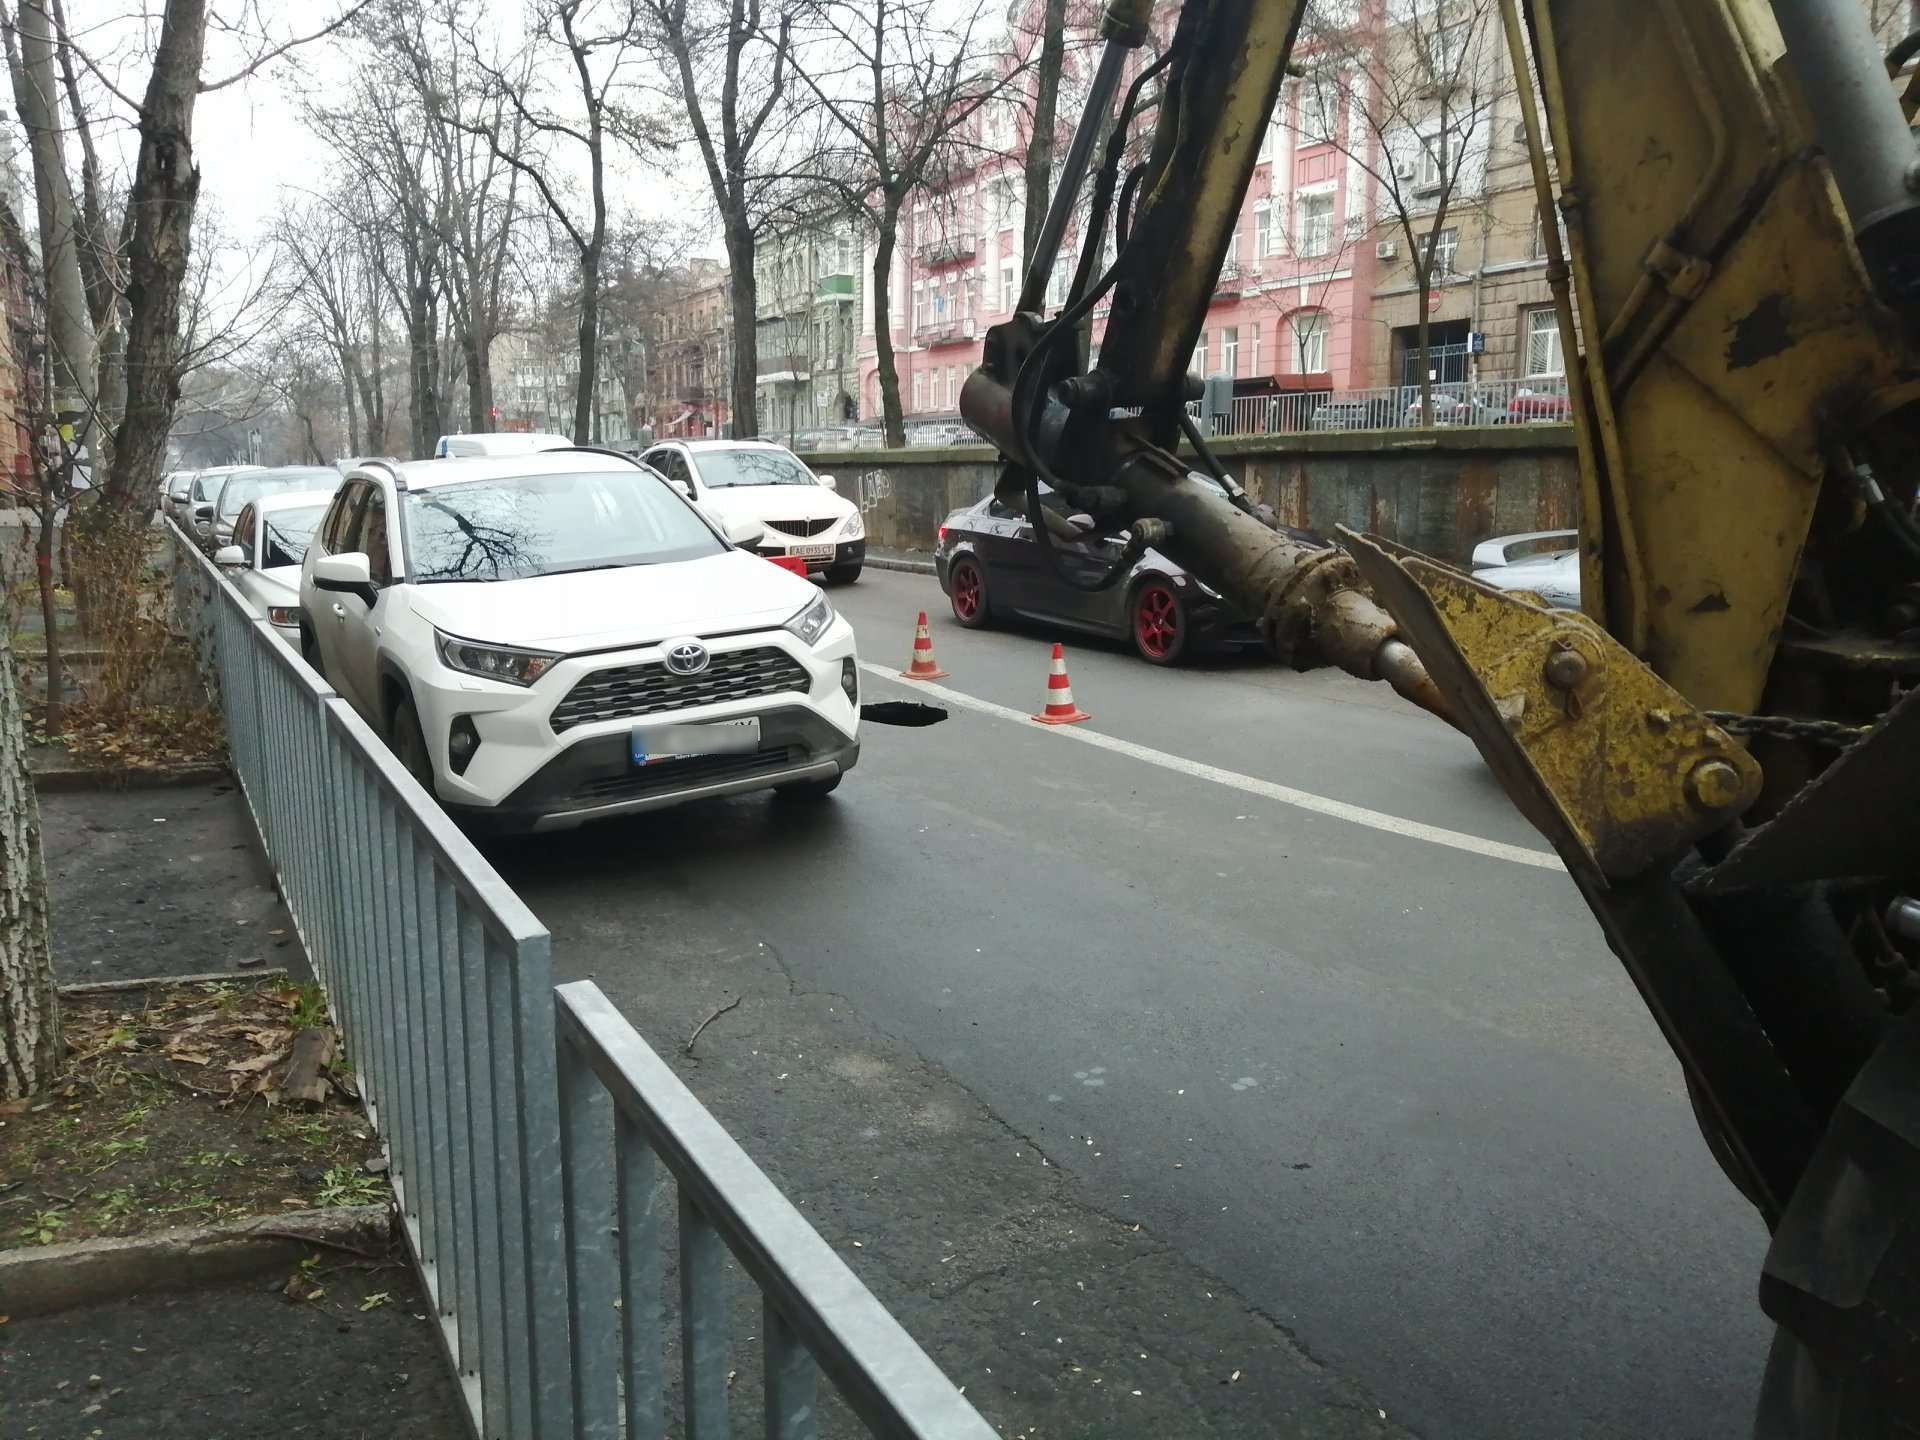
{"x":431,"y":474}
{"x":729,"y":445}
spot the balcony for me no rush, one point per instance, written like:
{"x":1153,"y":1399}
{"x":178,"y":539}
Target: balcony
{"x":783,"y":367}
{"x":836,"y":287}
{"x":948,"y":245}
{"x":944,"y":331}
{"x":1231,"y":281}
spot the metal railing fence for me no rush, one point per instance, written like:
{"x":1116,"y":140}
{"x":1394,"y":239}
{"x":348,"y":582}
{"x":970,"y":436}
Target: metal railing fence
{"x":437,"y":977}
{"x":524,"y":1161}
{"x":1395,"y":407}
{"x":624,"y":1114}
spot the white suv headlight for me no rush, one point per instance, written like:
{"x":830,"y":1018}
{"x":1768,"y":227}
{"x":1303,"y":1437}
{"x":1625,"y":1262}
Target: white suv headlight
{"x":493,"y":662}
{"x":812,"y":621}
{"x":855,"y":530}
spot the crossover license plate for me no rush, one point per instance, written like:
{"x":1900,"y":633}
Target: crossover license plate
{"x":677,"y":742}
{"x":811,"y":552}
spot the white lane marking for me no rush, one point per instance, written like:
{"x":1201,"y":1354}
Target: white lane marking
{"x":1251,"y":784}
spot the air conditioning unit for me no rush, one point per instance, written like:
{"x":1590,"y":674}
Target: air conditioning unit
{"x":1404,"y":171}
{"x":1385,"y":250}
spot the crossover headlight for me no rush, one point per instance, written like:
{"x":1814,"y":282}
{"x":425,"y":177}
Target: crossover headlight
{"x":493,"y":662}
{"x":855,"y":529}
{"x":286,"y":616}
{"x":812,"y":621}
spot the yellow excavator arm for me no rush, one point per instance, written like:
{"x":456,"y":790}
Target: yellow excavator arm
{"x":1725,"y":747}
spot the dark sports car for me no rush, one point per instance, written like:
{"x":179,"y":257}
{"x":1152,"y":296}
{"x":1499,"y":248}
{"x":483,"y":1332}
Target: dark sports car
{"x":992,"y":568}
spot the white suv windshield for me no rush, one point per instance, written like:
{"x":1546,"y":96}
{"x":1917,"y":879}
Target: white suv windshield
{"x":549,"y":524}
{"x":721,"y":469}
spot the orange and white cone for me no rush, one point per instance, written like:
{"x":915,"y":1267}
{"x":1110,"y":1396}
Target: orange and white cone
{"x":924,"y":666}
{"x":1060,"y":709}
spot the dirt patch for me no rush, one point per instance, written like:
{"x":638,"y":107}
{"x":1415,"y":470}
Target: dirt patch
{"x":170,"y":1113}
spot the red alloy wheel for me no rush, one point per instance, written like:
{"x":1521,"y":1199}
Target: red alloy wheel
{"x":969,"y":593}
{"x":1159,"y":627}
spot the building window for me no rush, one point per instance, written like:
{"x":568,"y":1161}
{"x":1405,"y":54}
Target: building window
{"x":953,"y":373}
{"x":1198,"y":365}
{"x":1253,"y":348}
{"x":919,"y":391}
{"x":1262,"y":229}
{"x":1230,"y":349}
{"x":1543,"y":343}
{"x":1316,"y":224}
{"x":1310,"y":341}
{"x":1429,"y":163}
{"x":1446,"y":245}
{"x":1009,"y":284}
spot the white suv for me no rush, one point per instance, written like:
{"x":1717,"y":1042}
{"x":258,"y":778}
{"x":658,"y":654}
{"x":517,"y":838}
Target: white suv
{"x":769,"y":483}
{"x":547,"y":639}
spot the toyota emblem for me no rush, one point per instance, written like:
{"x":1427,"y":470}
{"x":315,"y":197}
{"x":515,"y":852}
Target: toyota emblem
{"x":689,"y":657}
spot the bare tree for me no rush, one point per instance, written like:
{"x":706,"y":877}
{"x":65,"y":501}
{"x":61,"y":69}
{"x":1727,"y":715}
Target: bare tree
{"x":332,"y":288}
{"x":898,"y":88}
{"x":29,"y":1005}
{"x":1038,"y":161}
{"x":729,"y":68}
{"x":601,"y":41}
{"x":1406,"y":92}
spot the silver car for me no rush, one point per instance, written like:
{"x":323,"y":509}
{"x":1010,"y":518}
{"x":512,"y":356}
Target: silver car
{"x":193,"y":511}
{"x":1546,"y":562}
{"x":244,"y":486}
{"x":270,"y":538}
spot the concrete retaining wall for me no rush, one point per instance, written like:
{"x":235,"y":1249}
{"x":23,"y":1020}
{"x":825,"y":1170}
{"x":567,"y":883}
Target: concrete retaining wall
{"x":1440,"y":491}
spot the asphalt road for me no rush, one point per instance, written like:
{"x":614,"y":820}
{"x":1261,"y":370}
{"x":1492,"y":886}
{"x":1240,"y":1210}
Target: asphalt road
{"x":1262,"y":963}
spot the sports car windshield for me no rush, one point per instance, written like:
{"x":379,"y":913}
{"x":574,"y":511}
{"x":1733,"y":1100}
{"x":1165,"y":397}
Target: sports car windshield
{"x":550,"y":525}
{"x":724,"y":469}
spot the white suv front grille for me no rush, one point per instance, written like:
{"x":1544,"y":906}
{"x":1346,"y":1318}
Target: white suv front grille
{"x":627,"y":692}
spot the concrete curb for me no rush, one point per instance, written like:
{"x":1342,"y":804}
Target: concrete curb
{"x":151,"y":982}
{"x":72,"y":779}
{"x":910,"y":567}
{"x":49,"y":1278}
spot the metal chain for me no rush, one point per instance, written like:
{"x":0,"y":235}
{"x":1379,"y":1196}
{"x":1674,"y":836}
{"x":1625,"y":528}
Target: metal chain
{"x":1789,"y":727}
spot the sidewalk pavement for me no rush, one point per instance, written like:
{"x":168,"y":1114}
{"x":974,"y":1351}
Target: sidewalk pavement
{"x":168,"y":881}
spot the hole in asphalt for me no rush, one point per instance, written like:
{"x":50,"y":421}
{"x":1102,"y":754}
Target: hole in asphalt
{"x":902,"y":712}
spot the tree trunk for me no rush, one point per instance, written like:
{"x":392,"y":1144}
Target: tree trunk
{"x":29,"y":1006}
{"x":583,"y":395}
{"x":892,"y":417}
{"x":423,"y":405}
{"x":746,"y":299}
{"x":1426,"y":348}
{"x":69,"y":326}
{"x":43,"y":539}
{"x":1046,"y":105}
{"x":166,"y":183}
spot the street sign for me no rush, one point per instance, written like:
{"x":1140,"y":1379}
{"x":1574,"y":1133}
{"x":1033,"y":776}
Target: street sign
{"x":1477,"y":343}
{"x":1433,"y":301}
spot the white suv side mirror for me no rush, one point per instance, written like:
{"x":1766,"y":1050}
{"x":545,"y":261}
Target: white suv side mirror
{"x":350,"y":573}
{"x":743,"y":530}
{"x":230,"y":556}
{"x":828,"y":481}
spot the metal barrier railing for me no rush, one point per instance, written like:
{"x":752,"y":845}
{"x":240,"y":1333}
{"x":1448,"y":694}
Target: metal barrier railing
{"x":528,"y":1194}
{"x":623,"y":1113}
{"x":1395,"y":407}
{"x":437,"y":976}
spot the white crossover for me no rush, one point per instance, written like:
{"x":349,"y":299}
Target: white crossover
{"x":547,"y":639}
{"x":753,"y":479}
{"x":270,"y":536}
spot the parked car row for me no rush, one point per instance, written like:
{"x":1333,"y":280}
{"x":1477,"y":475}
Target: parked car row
{"x":559,"y":634}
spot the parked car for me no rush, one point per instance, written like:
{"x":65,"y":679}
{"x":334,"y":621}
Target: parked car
{"x":1455,"y":409}
{"x":991,"y":568}
{"x":1356,"y":412}
{"x":194,"y":512}
{"x":549,"y":639}
{"x":269,"y":541}
{"x":246,"y":485}
{"x":503,"y":442}
{"x":1546,"y":562}
{"x":1539,"y":407}
{"x":769,"y":483}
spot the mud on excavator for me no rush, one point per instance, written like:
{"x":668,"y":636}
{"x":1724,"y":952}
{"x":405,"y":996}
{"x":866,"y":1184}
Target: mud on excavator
{"x":1724,"y":748}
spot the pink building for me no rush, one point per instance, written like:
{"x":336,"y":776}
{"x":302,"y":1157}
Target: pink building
{"x":1291,"y":311}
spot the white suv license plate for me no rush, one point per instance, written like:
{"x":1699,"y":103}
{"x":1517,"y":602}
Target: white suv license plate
{"x":653,"y":743}
{"x":811,"y":552}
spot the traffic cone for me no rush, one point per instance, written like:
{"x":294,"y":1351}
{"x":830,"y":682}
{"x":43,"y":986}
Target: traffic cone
{"x":1060,"y":708}
{"x":924,"y":666}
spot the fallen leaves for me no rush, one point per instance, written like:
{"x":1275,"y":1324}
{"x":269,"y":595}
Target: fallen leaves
{"x":375,"y":1301}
